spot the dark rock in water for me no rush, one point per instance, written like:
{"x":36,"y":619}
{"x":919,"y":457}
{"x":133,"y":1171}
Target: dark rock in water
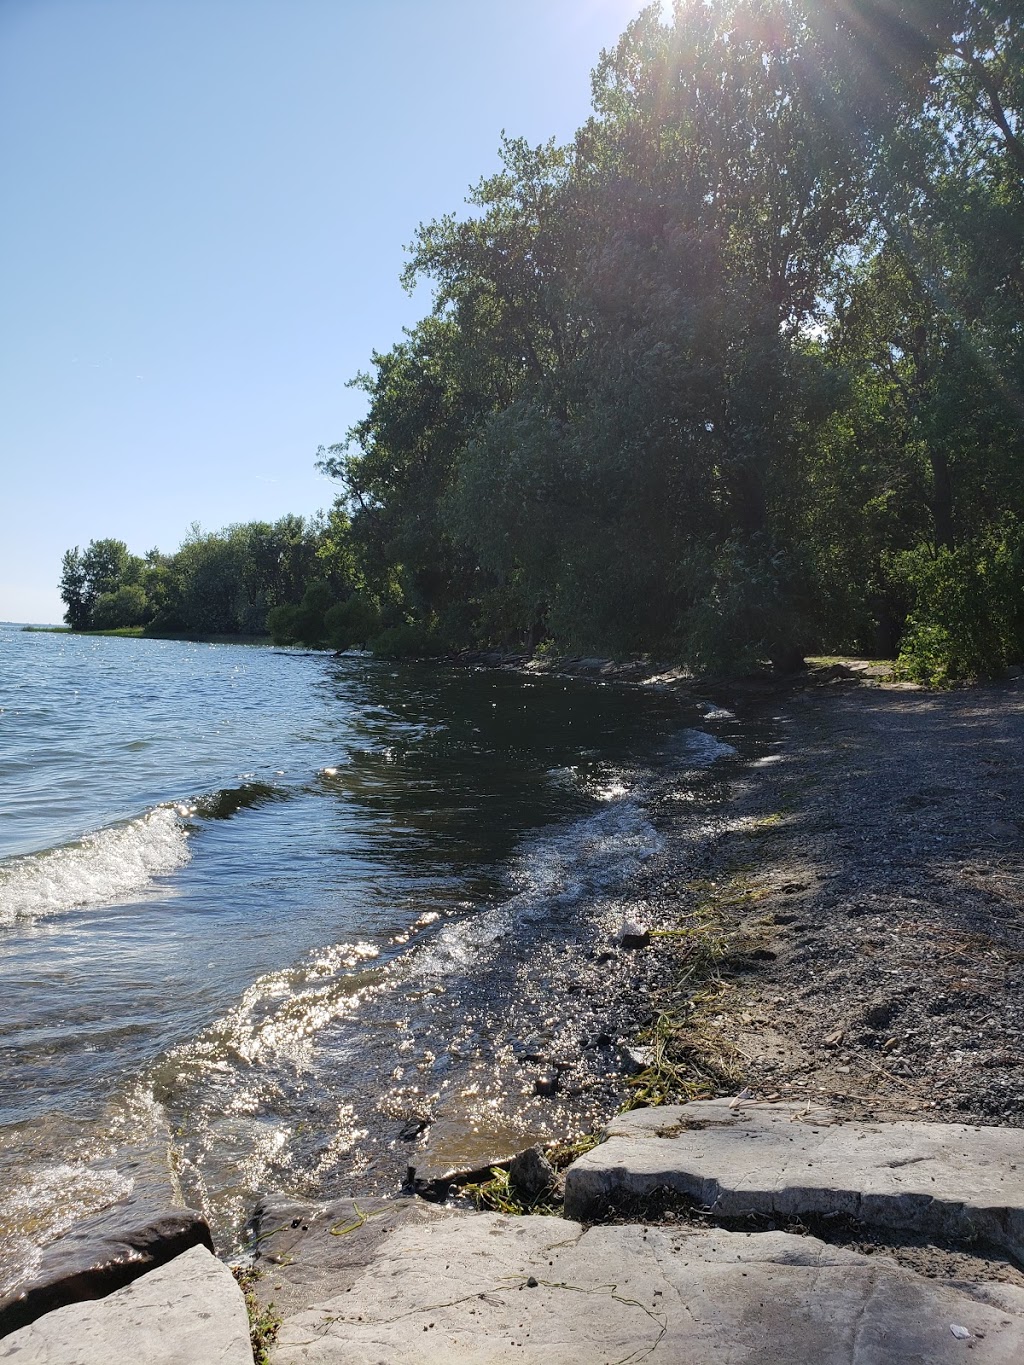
{"x":632,"y":935}
{"x":85,"y":1265}
{"x":531,"y":1175}
{"x":547,"y":1084}
{"x":412,"y":1128}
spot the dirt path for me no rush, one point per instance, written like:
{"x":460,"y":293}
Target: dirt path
{"x":871,"y":878}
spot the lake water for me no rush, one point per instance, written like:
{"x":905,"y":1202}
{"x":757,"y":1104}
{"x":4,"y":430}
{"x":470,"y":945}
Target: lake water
{"x":289,"y":911}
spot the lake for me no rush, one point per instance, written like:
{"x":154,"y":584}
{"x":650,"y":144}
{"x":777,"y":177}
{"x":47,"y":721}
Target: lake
{"x":291,"y":912}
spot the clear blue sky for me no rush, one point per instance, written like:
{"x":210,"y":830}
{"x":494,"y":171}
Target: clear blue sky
{"x":205,"y":209}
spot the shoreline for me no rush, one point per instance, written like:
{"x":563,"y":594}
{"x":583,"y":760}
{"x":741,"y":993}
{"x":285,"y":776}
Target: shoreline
{"x":845,"y":931}
{"x":140,"y":633}
{"x":878,"y":900}
{"x":824,"y":939}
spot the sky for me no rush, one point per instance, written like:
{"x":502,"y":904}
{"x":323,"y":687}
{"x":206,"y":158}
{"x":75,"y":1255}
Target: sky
{"x":206,"y":205}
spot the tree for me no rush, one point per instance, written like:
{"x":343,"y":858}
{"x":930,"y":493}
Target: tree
{"x":74,"y":590}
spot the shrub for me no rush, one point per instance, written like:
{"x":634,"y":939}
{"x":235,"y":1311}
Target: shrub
{"x":351,"y":622}
{"x":128,"y":606}
{"x":407,"y":641}
{"x":967,"y":619}
{"x":281,"y":624}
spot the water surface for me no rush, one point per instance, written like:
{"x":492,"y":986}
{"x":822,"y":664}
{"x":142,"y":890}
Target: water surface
{"x":291,"y":910}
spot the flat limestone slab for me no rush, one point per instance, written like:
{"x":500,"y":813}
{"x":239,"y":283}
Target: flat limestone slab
{"x":478,"y":1288}
{"x":188,"y":1312}
{"x":941,"y":1179}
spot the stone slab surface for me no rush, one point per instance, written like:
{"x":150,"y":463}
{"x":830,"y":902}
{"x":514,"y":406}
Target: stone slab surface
{"x":941,"y":1179}
{"x":439,"y":1285}
{"x":309,"y":1252}
{"x":188,"y":1312}
{"x":85,"y":1265}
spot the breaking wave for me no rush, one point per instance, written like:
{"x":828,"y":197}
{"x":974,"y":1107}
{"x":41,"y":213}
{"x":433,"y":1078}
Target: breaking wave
{"x":698,"y":748}
{"x":100,"y":868}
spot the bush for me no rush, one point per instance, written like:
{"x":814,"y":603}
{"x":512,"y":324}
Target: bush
{"x":128,"y":606}
{"x":746,"y":610}
{"x":351,"y":622}
{"x":304,"y":624}
{"x":408,"y":641}
{"x":281,"y":624}
{"x":967,"y":620}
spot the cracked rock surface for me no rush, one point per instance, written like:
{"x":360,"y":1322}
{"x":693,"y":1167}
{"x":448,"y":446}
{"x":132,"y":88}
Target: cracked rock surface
{"x":740,"y":1159}
{"x":434,"y":1284}
{"x":188,"y":1312}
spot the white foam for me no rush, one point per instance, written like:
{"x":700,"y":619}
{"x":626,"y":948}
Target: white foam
{"x":104,"y":867}
{"x":700,"y":748}
{"x":555,"y":870}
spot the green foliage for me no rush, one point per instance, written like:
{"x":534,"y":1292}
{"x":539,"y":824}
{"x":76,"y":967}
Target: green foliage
{"x":497,"y":1194}
{"x":74,"y":590}
{"x":127,"y":606}
{"x":748,"y":610}
{"x":264,"y":1322}
{"x":352,"y":622}
{"x":967,"y":619}
{"x":655,"y":407}
{"x":409,"y":640}
{"x":217,"y":583}
{"x":303,"y":623}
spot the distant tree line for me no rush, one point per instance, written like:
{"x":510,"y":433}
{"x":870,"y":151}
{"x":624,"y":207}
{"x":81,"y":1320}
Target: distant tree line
{"x":735,"y":375}
{"x":224,"y":582}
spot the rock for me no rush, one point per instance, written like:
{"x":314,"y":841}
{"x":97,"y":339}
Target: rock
{"x":314,"y":1251}
{"x":547,"y":1084}
{"x":440,"y":1285}
{"x":187,"y":1312}
{"x":531,"y":1175}
{"x":941,"y":1179}
{"x":463,"y":1145}
{"x":114,"y":1245}
{"x":636,"y":1059}
{"x":881,"y":1013}
{"x":89,"y":1263}
{"x":632,"y":935}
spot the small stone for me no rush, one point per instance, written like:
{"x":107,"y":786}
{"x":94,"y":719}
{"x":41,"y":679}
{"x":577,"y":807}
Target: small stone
{"x":632,"y":935}
{"x":531,"y":1175}
{"x":546,"y":1084}
{"x":636,"y":1059}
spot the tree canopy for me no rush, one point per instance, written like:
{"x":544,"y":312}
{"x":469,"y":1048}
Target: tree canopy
{"x":734,"y":375}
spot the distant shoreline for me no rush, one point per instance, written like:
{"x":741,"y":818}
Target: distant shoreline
{"x":141,"y":633}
